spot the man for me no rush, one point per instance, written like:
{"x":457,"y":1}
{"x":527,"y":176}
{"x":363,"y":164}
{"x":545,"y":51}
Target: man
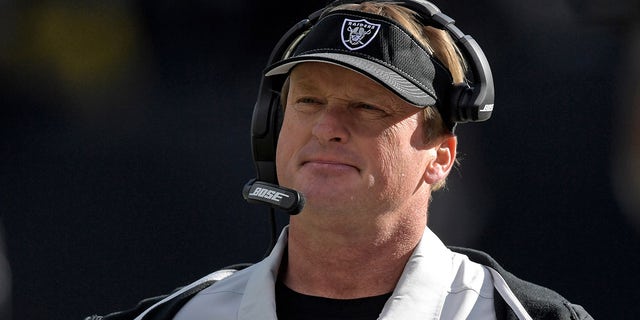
{"x":367,"y":135}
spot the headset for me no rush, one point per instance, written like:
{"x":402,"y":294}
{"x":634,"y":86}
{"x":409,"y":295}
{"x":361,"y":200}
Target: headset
{"x":471,"y":101}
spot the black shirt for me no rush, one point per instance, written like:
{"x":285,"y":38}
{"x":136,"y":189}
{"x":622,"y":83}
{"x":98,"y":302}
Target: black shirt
{"x":291,"y":305}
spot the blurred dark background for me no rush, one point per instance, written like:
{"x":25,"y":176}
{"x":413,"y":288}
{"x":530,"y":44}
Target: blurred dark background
{"x":124,"y":146}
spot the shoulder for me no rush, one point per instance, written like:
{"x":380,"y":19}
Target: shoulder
{"x":165,"y":306}
{"x":217,"y":301}
{"x":540,"y":302}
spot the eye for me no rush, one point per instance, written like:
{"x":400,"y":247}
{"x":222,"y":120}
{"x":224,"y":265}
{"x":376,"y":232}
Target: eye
{"x":371,"y":110}
{"x":307,"y":104}
{"x":306,"y":100}
{"x":369,"y":107}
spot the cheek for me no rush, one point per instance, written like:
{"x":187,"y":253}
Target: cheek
{"x":400,"y":159}
{"x":283,"y":150}
{"x":389,"y":154}
{"x":287,"y":142}
{"x":287,"y":132}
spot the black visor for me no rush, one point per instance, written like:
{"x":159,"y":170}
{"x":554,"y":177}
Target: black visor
{"x":376,"y":47}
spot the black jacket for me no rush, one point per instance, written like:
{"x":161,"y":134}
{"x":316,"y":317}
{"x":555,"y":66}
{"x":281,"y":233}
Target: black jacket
{"x":541,"y":303}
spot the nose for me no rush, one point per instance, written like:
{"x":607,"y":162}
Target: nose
{"x":332,"y":125}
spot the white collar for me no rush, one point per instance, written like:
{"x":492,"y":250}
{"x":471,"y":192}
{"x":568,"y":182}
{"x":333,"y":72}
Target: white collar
{"x":431,"y":283}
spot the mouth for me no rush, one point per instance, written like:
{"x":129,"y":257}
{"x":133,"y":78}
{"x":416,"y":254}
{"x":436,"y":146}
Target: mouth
{"x":333,"y":165}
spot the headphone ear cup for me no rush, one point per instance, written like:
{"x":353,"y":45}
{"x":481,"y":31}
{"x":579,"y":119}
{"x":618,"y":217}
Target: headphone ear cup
{"x":459,"y":100}
{"x":265,"y":127}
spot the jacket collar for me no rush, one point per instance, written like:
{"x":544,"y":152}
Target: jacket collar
{"x":419,"y":294}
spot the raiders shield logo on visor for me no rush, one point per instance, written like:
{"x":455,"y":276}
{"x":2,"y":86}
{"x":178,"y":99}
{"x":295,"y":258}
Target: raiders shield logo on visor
{"x":356,"y":34}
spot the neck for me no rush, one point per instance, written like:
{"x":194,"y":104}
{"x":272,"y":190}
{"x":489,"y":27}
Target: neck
{"x":346,"y":262}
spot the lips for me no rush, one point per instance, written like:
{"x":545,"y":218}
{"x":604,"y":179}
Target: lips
{"x":334,"y":158}
{"x":329,"y":163}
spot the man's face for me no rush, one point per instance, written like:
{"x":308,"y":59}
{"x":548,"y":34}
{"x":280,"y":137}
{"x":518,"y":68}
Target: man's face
{"x":349,"y":144}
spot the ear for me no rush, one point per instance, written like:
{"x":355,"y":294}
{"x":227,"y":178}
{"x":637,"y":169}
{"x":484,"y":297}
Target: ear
{"x":439,"y":167}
